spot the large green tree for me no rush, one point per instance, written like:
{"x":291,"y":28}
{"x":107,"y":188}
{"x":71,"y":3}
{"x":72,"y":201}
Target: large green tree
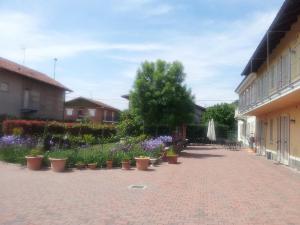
{"x":160,"y":97}
{"x":222,"y":114}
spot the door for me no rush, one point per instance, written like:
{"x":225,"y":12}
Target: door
{"x":283,"y":143}
{"x":261,"y":137}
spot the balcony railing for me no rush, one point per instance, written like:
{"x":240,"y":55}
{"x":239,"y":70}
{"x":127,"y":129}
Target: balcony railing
{"x":270,"y":95}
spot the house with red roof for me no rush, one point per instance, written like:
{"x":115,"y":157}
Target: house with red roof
{"x":97,"y":112}
{"x":25,"y":92}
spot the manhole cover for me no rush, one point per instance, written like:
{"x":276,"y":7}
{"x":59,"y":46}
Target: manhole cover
{"x":137,"y":186}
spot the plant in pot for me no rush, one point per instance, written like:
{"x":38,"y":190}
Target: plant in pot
{"x":58,"y":160}
{"x":153,"y":148}
{"x":34,"y":159}
{"x":109,"y":160}
{"x":142,"y":162}
{"x":126,"y":162}
{"x":172,"y":156}
{"x":154,"y":154}
{"x":80,"y":165}
{"x":92,"y":165}
{"x":91,"y":161}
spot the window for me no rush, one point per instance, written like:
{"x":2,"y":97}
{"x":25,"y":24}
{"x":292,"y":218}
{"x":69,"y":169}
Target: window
{"x":4,"y":86}
{"x":113,"y":116}
{"x":26,"y":99}
{"x":105,"y":115}
{"x":92,"y":112}
{"x":271,"y":131}
{"x":35,"y":99}
{"x":279,"y":73}
{"x":272,"y":77}
{"x":69,"y":111}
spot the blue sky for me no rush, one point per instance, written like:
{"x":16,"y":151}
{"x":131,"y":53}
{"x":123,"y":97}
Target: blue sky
{"x":100,"y":44}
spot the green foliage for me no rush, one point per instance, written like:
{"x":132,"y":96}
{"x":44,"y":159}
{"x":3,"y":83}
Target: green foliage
{"x":36,"y":152}
{"x":171,"y":152}
{"x":59,"y":154}
{"x":129,"y":124}
{"x":222,"y":114}
{"x":133,"y":140}
{"x":160,"y":97}
{"x":89,"y":139}
{"x":42,"y":128}
{"x":125,"y":157}
{"x":14,"y":155}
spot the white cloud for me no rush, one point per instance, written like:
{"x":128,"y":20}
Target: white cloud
{"x":23,"y":31}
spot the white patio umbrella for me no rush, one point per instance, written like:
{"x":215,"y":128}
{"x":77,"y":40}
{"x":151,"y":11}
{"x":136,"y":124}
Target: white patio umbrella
{"x":211,"y":133}
{"x":208,"y":135}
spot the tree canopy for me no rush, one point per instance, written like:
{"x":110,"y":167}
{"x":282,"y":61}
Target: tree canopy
{"x":160,"y":97}
{"x":222,"y":114}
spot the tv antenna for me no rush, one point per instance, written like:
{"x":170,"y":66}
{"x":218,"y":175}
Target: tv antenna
{"x":54,"y":67}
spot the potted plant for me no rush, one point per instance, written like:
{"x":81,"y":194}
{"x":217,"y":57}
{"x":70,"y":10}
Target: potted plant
{"x":109,"y":161}
{"x":164,"y":154}
{"x":58,"y":161}
{"x":126,"y":162}
{"x":172,"y":156}
{"x":80,"y":165}
{"x":34,"y":159}
{"x":142,"y":162}
{"x":92,"y":166}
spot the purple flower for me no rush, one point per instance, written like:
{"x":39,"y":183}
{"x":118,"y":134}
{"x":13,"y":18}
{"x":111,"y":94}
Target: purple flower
{"x":11,"y":140}
{"x":165,"y":139}
{"x":152,"y":144}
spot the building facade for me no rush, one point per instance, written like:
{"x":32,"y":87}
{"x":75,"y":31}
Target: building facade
{"x":270,"y":91}
{"x":97,"y":112}
{"x":28,"y":93}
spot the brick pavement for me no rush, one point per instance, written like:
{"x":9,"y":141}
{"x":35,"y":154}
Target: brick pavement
{"x":210,"y":186}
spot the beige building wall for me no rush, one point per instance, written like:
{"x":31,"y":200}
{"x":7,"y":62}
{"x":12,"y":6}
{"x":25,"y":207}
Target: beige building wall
{"x":294,"y":114}
{"x":46,"y":99}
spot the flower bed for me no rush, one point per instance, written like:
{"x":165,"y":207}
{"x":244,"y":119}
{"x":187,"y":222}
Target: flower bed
{"x":14,"y":149}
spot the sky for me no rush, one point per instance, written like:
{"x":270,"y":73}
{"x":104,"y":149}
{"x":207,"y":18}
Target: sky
{"x":100,"y":44}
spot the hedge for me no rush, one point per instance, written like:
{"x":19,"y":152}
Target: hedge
{"x":38,"y":128}
{"x":197,"y":133}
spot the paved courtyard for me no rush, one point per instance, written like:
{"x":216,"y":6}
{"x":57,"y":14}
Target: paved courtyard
{"x":209,"y":186}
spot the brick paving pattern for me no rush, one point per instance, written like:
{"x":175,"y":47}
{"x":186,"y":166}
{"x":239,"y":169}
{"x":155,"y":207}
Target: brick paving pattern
{"x":210,"y":186}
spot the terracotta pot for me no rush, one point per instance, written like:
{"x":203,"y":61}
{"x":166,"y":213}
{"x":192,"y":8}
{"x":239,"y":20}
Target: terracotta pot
{"x":126,"y":165}
{"x":142,"y":163}
{"x":172,"y":159}
{"x":109,"y":164}
{"x":92,"y":166}
{"x":34,"y":162}
{"x":58,"y":165}
{"x":164,"y":154}
{"x":80,"y":166}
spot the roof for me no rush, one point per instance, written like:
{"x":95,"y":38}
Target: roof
{"x":200,"y":107}
{"x":95,"y":102}
{"x":30,"y":73}
{"x":287,"y":15}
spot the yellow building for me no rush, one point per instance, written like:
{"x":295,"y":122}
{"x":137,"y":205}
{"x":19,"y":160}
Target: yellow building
{"x":270,"y":90}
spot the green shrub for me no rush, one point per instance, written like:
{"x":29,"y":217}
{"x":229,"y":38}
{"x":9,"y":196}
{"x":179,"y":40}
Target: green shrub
{"x":39,"y":128}
{"x":35,"y":152}
{"x":14,"y":155}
